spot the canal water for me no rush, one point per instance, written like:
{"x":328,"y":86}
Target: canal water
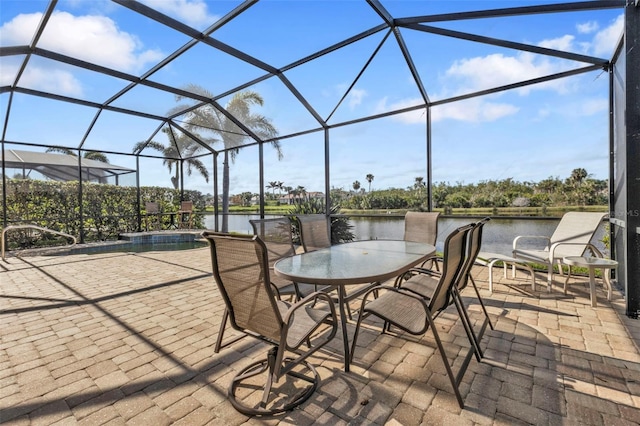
{"x":498,"y":233}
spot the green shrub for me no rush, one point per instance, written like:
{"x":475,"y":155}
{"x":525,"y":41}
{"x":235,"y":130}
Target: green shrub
{"x":107,"y":210}
{"x":340,"y":226}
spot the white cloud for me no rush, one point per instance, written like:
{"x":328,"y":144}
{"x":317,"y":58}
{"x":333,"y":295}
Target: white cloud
{"x":58,"y":81}
{"x":192,"y":12}
{"x":587,"y":27}
{"x":471,"y":110}
{"x":48,"y":80}
{"x":470,"y":75}
{"x":355,"y":97}
{"x":604,"y":42}
{"x":560,"y":43}
{"x":91,"y":38}
{"x":481,"y":73}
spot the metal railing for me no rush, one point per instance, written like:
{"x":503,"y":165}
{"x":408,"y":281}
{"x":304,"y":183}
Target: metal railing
{"x":40,"y":228}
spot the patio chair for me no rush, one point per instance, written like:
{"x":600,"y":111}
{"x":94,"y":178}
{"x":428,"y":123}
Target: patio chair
{"x":314,"y":232}
{"x":422,"y":227}
{"x":572,"y":237}
{"x":241,"y":271}
{"x":276,"y":236}
{"x":314,"y":235}
{"x":424,"y":281}
{"x":415,"y":314}
{"x":185,"y":215}
{"x":474,"y":246}
{"x":152,"y":215}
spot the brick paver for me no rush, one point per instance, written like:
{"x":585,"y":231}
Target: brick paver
{"x":128,"y":339}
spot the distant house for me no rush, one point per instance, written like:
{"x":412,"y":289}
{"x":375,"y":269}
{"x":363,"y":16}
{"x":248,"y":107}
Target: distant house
{"x":290,"y":198}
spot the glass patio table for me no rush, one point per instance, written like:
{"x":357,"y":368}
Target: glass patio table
{"x":358,"y":262}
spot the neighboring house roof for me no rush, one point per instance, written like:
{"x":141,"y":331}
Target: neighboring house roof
{"x":61,"y":167}
{"x":311,"y":194}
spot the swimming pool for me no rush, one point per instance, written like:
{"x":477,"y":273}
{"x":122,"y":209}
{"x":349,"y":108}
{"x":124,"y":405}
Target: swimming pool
{"x":129,"y":247}
{"x":138,"y":242}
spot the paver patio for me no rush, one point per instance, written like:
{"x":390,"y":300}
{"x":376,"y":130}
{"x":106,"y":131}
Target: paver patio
{"x":128,"y":339}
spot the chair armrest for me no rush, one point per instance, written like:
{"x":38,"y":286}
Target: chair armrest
{"x":595,"y":251}
{"x":403,"y":292}
{"x":590,"y":246}
{"x":412,"y":271}
{"x":309,"y":299}
{"x":529,"y":237}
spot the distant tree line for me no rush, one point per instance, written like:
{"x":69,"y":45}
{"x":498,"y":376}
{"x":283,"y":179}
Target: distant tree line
{"x":579,"y":189}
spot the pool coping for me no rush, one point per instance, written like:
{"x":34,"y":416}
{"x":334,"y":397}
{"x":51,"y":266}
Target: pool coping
{"x":130,"y":238}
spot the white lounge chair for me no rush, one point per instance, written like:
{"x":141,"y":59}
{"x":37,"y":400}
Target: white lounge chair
{"x":572,"y":237}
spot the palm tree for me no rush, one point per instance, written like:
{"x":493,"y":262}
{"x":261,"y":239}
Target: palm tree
{"x":289,"y":191}
{"x":207,"y":118}
{"x":356,"y":185}
{"x":273,"y":185}
{"x":302,"y":191}
{"x":369,"y":179}
{"x":89,"y":155}
{"x":419,"y":184}
{"x":578,"y":176}
{"x":173,"y":154}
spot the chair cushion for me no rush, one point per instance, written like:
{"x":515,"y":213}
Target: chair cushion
{"x":304,"y":321}
{"x":422,"y":284}
{"x":401,"y":310}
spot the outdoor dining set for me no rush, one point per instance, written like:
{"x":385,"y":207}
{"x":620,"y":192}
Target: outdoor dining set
{"x":153,"y":216}
{"x":298,"y":299}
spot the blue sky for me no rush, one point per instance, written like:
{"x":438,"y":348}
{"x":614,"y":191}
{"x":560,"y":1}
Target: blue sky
{"x":527,"y":134}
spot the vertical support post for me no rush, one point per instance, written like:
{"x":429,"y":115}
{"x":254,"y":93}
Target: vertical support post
{"x":429,"y":162}
{"x":632,"y":184}
{"x":215,"y":192}
{"x":261,"y":178}
{"x":327,"y":180}
{"x":182,"y":179}
{"x":80,"y":189}
{"x":4,"y":190}
{"x":138,"y":195}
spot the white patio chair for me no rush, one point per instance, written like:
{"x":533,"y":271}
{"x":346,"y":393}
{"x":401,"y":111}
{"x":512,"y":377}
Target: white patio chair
{"x":572,"y":237}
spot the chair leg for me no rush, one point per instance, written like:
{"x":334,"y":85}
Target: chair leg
{"x":223,"y":326}
{"x":443,"y":355}
{"x":270,"y":366}
{"x":566,"y":281}
{"x":271,"y":363}
{"x":466,"y":323}
{"x":357,"y":331}
{"x":484,"y":308}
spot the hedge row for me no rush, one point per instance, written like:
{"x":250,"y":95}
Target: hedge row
{"x":108,"y":210}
